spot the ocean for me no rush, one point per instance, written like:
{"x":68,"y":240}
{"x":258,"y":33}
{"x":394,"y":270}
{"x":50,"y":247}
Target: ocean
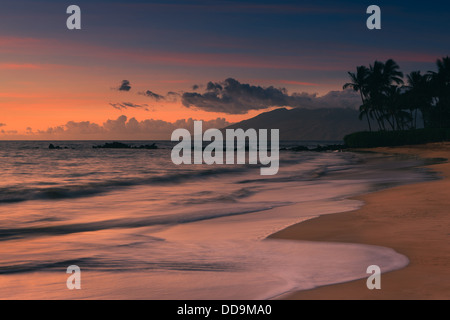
{"x":140,"y":227}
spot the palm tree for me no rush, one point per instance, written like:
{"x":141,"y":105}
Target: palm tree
{"x":419,"y":96}
{"x":392,"y":74}
{"x":392,"y":104}
{"x":375,"y":90}
{"x":395,"y":114}
{"x":359,"y":83}
{"x":440,"y":81}
{"x":444,"y":70}
{"x":382,"y":76}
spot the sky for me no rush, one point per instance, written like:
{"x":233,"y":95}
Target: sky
{"x":140,"y":69}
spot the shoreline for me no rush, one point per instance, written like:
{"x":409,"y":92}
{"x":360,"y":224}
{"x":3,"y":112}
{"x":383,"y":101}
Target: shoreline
{"x":411,"y":219}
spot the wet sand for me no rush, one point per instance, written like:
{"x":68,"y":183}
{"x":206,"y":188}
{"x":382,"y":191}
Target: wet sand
{"x":412,"y":219}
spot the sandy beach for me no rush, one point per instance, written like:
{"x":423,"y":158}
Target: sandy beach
{"x":411,"y":219}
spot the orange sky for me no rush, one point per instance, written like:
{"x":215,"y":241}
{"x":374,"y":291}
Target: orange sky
{"x":51,"y":75}
{"x":42,"y":96}
{"x":38,"y":94}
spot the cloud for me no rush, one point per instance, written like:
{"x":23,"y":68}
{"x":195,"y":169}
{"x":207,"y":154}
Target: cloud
{"x":125,"y":86}
{"x":126,"y":105}
{"x":233,"y":97}
{"x":152,"y":95}
{"x":121,"y":128}
{"x":171,"y":96}
{"x":8,"y":132}
{"x":2,"y":124}
{"x":72,"y":127}
{"x":151,"y":127}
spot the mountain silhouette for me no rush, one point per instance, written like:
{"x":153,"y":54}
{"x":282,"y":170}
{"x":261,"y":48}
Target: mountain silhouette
{"x":307,"y":124}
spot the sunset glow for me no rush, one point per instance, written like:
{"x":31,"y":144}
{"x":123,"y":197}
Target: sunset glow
{"x":217,"y":157}
{"x":52,"y":75}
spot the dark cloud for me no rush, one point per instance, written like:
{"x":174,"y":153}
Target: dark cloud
{"x":126,"y":105}
{"x":125,"y":86}
{"x":152,"y":95}
{"x":2,"y":124}
{"x":233,"y":97}
{"x":169,"y":97}
{"x":195,"y":87}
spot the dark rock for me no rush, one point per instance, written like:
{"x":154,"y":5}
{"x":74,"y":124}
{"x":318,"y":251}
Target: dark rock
{"x":147,"y":146}
{"x":120,"y":145}
{"x":113,"y":145}
{"x":52,"y":147}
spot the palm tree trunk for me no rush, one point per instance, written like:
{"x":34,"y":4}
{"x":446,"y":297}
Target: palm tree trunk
{"x":379,"y":120}
{"x":367,"y":111}
{"x":368,"y":121}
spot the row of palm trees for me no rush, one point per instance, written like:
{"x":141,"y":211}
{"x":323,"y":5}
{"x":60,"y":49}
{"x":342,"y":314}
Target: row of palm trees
{"x":392,"y":104}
